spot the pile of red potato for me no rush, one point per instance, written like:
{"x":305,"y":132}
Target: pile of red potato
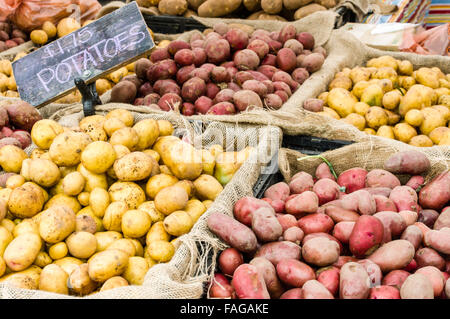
{"x":10,"y":36}
{"x":224,"y":72}
{"x":362,"y":235}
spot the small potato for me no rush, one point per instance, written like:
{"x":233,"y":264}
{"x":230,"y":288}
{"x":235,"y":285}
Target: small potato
{"x":207,"y":187}
{"x":178,"y":223}
{"x":124,"y":115}
{"x":133,"y":167}
{"x":136,"y":270}
{"x":73,"y":184}
{"x":25,"y":201}
{"x":107,"y":264}
{"x":157,"y":232}
{"x":114,"y":282}
{"x":161,"y":251}
{"x":149,"y":208}
{"x":320,"y":251}
{"x":113,"y":124}
{"x":106,"y":238}
{"x":124,"y":244}
{"x":22,"y":251}
{"x":171,"y":199}
{"x":158,"y":182}
{"x":306,"y":202}
{"x":353,"y":282}
{"x":26,"y":226}
{"x":165,"y":127}
{"x":249,"y":283}
{"x":11,"y":158}
{"x":81,"y":244}
{"x":58,"y":251}
{"x":54,"y":279}
{"x":315,"y":223}
{"x":79,"y":282}
{"x":229,"y":260}
{"x":294,"y":273}
{"x":135,"y":223}
{"x":129,"y":192}
{"x":56,"y":224}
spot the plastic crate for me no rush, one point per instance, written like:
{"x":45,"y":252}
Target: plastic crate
{"x":167,"y":24}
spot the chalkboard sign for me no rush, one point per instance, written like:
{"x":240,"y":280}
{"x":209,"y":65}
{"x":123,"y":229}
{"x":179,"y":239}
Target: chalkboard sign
{"x":96,"y":49}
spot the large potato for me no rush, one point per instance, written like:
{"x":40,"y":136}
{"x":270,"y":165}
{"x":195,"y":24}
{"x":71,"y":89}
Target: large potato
{"x":67,"y":147}
{"x":44,"y":131}
{"x":98,"y":156}
{"x":25,"y":279}
{"x":41,"y":171}
{"x":57,"y":223}
{"x":26,"y":200}
{"x":79,"y":281}
{"x":183,"y":159}
{"x":22,"y":251}
{"x":147,"y":131}
{"x":107,"y":264}
{"x":81,"y":244}
{"x":135,"y":223}
{"x":158,"y":182}
{"x":126,"y":136}
{"x":128,"y":192}
{"x":64,"y":200}
{"x":170,"y":199}
{"x":73,"y":183}
{"x":11,"y":158}
{"x":98,"y":201}
{"x":136,"y":270}
{"x":207,"y":187}
{"x":135,"y":166}
{"x":54,"y":279}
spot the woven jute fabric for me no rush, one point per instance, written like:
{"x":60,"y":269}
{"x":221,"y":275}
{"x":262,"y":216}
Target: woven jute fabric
{"x":187,"y":274}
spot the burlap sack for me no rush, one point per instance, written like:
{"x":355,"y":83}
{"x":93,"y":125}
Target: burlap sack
{"x":10,"y":54}
{"x":368,"y":155}
{"x":193,"y":264}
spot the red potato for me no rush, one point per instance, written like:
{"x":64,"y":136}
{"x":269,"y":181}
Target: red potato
{"x":141,"y":67}
{"x":286,"y":60}
{"x":269,"y":86}
{"x":320,"y":50}
{"x":294,"y":234}
{"x":374,"y":272}
{"x":175,"y":46}
{"x":287,"y":32}
{"x":417,"y":286}
{"x":326,"y":190}
{"x":381,"y":178}
{"x":268,"y":70}
{"x":161,"y":70}
{"x":222,"y":108}
{"x":260,"y":47}
{"x":306,"y":202}
{"x":343,"y":230}
{"x":10,"y":44}
{"x":352,"y":179}
{"x":283,"y":95}
{"x":411,"y":267}
{"x":231,"y":231}
{"x":281,"y":76}
{"x":300,"y":58}
{"x":212,"y":90}
{"x":22,"y":115}
{"x":270,"y":59}
{"x":246,"y":60}
{"x":428,"y":217}
{"x":429,"y":257}
{"x":23,"y":137}
{"x":326,"y":235}
{"x":320,"y":251}
{"x":329,"y":277}
{"x":277,"y":205}
{"x":294,"y":273}
{"x":249,"y":283}
{"x":405,"y":198}
{"x":258,"y":76}
{"x":217,"y":51}
{"x":221,"y":28}
{"x":443,"y":220}
{"x":199,"y":56}
{"x":294,"y":293}
{"x":323,"y":171}
{"x":393,"y":224}
{"x":275,"y":35}
{"x":301,"y":182}
{"x":244,"y":208}
{"x":220,"y":74}
{"x":395,"y":278}
{"x":277,"y":191}
{"x":342,"y":260}
{"x":439,"y":240}
{"x":159,"y":54}
{"x":255,"y":86}
{"x":353,"y":279}
{"x":197,"y":44}
{"x":274,"y":46}
{"x":203,"y":104}
{"x":384,"y":204}
{"x":435,"y":276}
{"x":436,"y":194}
{"x":407,"y":162}
{"x":447,"y":288}
{"x":169,"y":87}
{"x":383,"y":191}
{"x":315,"y":223}
{"x":122,"y":92}
{"x":265,"y":225}
{"x":229,"y":260}
{"x":269,"y":273}
{"x":415,"y":182}
{"x":243,"y":76}
{"x":313,"y":289}
{"x":409,"y":217}
{"x":201,"y":73}
{"x":237,"y":38}
{"x":273,"y":101}
{"x":396,"y":254}
{"x":306,"y":39}
{"x":169,"y":101}
{"x":414,"y":235}
{"x":158,"y":84}
{"x":246,"y":98}
{"x":193,"y":89}
{"x":287,"y":221}
{"x":294,"y":45}
{"x":312,"y":62}
{"x":360,"y":201}
{"x":184,"y":73}
{"x":424,"y":228}
{"x":151,"y":98}
{"x":339,"y":214}
{"x":366,"y":236}
{"x":384,"y":292}
{"x":188,"y":109}
{"x":145,"y":89}
{"x":221,"y":288}
{"x":278,"y":251}
{"x":225,"y":95}
{"x":313,"y":105}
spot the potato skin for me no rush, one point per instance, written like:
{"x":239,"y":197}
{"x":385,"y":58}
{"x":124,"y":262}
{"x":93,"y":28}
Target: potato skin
{"x":207,"y":187}
{"x":265,"y":225}
{"x":269,"y":273}
{"x":22,"y":251}
{"x":353,"y":282}
{"x":249,"y":283}
{"x":212,"y":8}
{"x":244,"y":208}
{"x":407,"y":162}
{"x":367,"y":234}
{"x":107,"y":264}
{"x":396,"y":254}
{"x":171,"y":199}
{"x":436,"y":193}
{"x":54,"y":279}
{"x":277,"y":251}
{"x":57,"y":223}
{"x":114,"y":282}
{"x":26,"y":201}
{"x":67,"y":147}
{"x":128,"y":192}
{"x":320,"y":251}
{"x":294,"y":272}
{"x":135,"y":166}
{"x":417,"y":286}
{"x":41,"y":171}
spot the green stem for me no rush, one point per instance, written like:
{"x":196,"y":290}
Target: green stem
{"x":326,"y":162}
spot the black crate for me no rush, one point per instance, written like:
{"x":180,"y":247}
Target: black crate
{"x":167,"y":24}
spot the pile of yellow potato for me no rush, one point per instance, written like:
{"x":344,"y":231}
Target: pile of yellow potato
{"x":8,"y":86}
{"x":95,"y":206}
{"x":389,"y":98}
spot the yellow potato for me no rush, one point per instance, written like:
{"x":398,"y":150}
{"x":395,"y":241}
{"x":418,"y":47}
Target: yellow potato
{"x":41,"y":171}
{"x":15,"y":181}
{"x":42,"y":259}
{"x":165,"y":127}
{"x":66,"y":26}
{"x":136,"y":270}
{"x":54,"y":279}
{"x":149,"y":208}
{"x":417,"y":97}
{"x":421,"y":141}
{"x":85,"y":223}
{"x":188,"y":186}
{"x":26,"y":200}
{"x":147,"y":131}
{"x":25,"y":279}
{"x":64,"y":200}
{"x":98,"y":156}
{"x":126,"y":136}
{"x":359,"y":74}
{"x":5,"y":238}
{"x":376,"y":117}
{"x":161,"y":251}
{"x":58,"y":250}
{"x":68,"y":264}
{"x":178,"y":223}
{"x":183,"y":159}
{"x":207,"y":187}
{"x":404,"y":132}
{"x":114,"y":282}
{"x":171,"y":199}
{"x":383,"y":61}
{"x":56,"y":224}
{"x":106,"y":238}
{"x":2,"y":266}
{"x":393,"y":118}
{"x":432,"y":119}
{"x":135,"y":223}
{"x":342,"y":101}
{"x":9,"y":225}
{"x":157,"y":232}
{"x":128,"y":192}
{"x":135,"y":166}
{"x":445,"y":139}
{"x":414,"y":117}
{"x":438,"y":133}
{"x":11,"y":158}
{"x":386,"y":131}
{"x":102,"y":86}
{"x":405,"y":67}
{"x":215,"y":149}
{"x":208,"y":161}
{"x":359,"y":88}
{"x":83,"y":198}
{"x":124,"y":244}
{"x":444,"y":100}
{"x":372,"y":95}
{"x":73,"y":184}
{"x":107,"y":264}
{"x":22,"y":251}
{"x":195,"y":209}
{"x":342,"y":82}
{"x":124,"y":115}
{"x":444,"y":110}
{"x":113,"y":124}
{"x":27,"y":225}
{"x":81,"y":244}
{"x":67,"y":147}
{"x":428,"y":77}
{"x":99,"y":201}
{"x":207,"y":203}
{"x":50,"y":29}
{"x":79,"y":281}
{"x":386,"y":73}
{"x":87,"y":211}
{"x":356,"y":120}
{"x":118,"y":75}
{"x":139,"y":249}
{"x":156,"y":183}
{"x":92,"y":180}
{"x":165,"y":170}
{"x":39,"y":37}
{"x":6,"y":67}
{"x":112,"y":220}
{"x":153,"y":154}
